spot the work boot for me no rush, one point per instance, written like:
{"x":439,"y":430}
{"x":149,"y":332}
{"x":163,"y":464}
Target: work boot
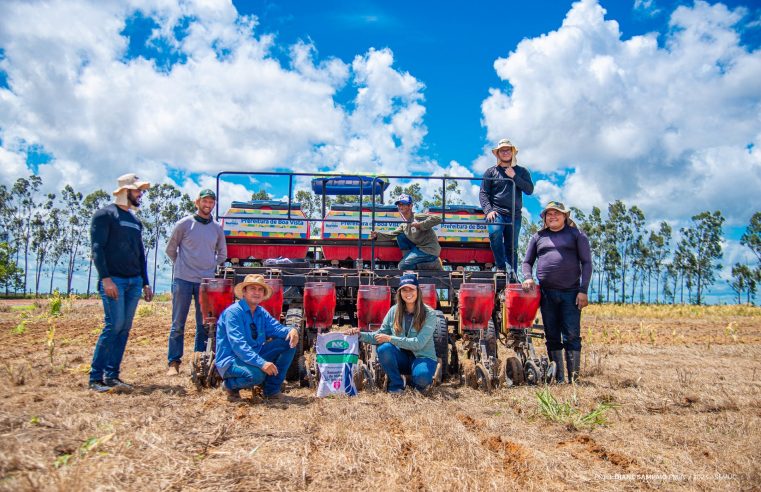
{"x":99,"y":387}
{"x":556,"y":356}
{"x":118,"y":386}
{"x":174,"y":368}
{"x":232,"y":395}
{"x":573,"y":361}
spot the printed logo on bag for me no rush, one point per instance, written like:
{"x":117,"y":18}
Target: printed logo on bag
{"x":337,"y":345}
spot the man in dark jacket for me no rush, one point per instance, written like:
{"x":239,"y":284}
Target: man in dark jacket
{"x":501,"y":206}
{"x":564,"y":269}
{"x":119,"y":256}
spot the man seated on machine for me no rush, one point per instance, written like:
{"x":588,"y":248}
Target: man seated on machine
{"x":245,"y":358}
{"x":415,"y":237}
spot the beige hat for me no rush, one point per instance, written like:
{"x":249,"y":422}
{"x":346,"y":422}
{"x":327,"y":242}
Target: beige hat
{"x":130,"y":182}
{"x":560,"y":207}
{"x":253,"y":279}
{"x":502,"y":144}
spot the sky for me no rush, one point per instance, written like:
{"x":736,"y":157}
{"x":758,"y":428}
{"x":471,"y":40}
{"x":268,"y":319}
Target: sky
{"x":656,"y":103}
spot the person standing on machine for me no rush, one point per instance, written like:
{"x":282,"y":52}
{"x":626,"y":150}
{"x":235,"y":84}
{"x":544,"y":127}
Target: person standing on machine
{"x":501,"y":206}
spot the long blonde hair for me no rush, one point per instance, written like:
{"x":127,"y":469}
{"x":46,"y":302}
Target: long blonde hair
{"x":418,"y":314}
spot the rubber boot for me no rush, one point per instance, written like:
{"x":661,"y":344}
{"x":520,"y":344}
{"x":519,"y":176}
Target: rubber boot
{"x":556,"y":356}
{"x":573,"y":361}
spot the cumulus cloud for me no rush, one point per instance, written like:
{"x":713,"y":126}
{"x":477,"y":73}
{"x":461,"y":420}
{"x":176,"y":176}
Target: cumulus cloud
{"x":224,"y":102}
{"x":673,"y":128}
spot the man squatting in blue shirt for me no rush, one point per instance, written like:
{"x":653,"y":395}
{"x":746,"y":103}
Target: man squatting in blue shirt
{"x":244,"y":357}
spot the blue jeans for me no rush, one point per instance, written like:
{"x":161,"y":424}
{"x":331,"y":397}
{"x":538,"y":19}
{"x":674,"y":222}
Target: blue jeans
{"x":241,"y":375}
{"x":504,"y":244}
{"x":562,"y":319}
{"x":118,"y":314}
{"x":396,"y":362}
{"x":414,"y":257}
{"x":182,"y":293}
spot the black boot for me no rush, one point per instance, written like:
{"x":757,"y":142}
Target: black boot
{"x":556,"y":356}
{"x":573,"y":361}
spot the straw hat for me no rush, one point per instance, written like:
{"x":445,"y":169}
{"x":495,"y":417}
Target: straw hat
{"x":130,"y":182}
{"x":253,"y":279}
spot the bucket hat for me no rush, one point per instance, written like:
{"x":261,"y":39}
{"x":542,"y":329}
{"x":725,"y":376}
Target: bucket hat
{"x":130,"y":182}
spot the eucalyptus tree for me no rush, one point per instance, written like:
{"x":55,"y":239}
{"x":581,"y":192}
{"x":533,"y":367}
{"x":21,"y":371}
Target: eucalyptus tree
{"x":45,"y":233}
{"x":165,"y":206}
{"x":23,"y":194}
{"x":703,"y":242}
{"x":752,"y":235}
{"x":74,"y":230}
{"x":659,"y":245}
{"x":744,"y":280}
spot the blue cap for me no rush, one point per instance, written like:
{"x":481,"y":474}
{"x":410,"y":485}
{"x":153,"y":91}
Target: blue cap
{"x":405,"y":199}
{"x":408,"y":279}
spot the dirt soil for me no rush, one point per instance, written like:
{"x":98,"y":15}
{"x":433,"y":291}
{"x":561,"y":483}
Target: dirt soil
{"x":686,"y":389}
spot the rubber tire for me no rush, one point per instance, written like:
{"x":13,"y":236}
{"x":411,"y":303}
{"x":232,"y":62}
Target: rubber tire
{"x":293,"y":318}
{"x":513,"y":372}
{"x":532,"y":373}
{"x":549,"y":375}
{"x":490,"y":338}
{"x":441,"y":342}
{"x":483,"y":378}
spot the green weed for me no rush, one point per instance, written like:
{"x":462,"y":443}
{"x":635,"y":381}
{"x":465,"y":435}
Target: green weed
{"x":20,"y":328}
{"x":568,"y":413}
{"x":56,"y":303}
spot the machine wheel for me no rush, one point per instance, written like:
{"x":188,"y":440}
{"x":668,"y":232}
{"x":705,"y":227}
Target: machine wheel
{"x":303,"y":371}
{"x":194,"y":373}
{"x":550,"y":372}
{"x":441,"y":342}
{"x":454,"y":357}
{"x":512,"y":372}
{"x":293,"y":318}
{"x":363,"y":377}
{"x":533,"y":374}
{"x":490,"y":340}
{"x":483,"y":378}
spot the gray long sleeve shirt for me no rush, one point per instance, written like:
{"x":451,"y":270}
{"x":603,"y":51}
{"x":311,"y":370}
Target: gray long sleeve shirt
{"x":196,"y":249}
{"x":563,"y":259}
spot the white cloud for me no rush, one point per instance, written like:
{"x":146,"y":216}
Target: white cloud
{"x":231,"y":105}
{"x":666,"y":128}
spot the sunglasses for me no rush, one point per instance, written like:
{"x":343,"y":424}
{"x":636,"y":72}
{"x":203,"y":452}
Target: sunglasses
{"x":254,"y":331}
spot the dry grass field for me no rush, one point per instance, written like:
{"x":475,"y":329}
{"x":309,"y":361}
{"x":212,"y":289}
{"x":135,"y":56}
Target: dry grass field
{"x":682,"y":386}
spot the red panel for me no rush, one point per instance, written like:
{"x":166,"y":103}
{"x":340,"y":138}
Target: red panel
{"x":261,"y":252}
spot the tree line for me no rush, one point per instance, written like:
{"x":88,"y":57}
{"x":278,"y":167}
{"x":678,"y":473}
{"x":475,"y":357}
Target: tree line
{"x":47,"y":236}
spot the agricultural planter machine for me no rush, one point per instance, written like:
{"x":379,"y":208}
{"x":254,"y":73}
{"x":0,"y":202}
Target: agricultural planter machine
{"x":338,"y":276}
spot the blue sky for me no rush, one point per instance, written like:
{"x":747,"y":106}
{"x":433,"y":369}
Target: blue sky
{"x":656,"y":103}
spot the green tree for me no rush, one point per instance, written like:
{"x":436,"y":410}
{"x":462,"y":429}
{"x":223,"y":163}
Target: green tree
{"x":659,"y":245}
{"x":752,"y":236}
{"x":166,"y":205}
{"x":413,"y":190}
{"x":74,"y":230}
{"x":261,"y":195}
{"x":743,"y":281}
{"x":703,"y":243}
{"x":453,"y":193}
{"x":10,"y":273}
{"x":24,"y":193}
{"x":45,"y":235}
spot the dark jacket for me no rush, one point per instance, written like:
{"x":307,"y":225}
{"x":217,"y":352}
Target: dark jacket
{"x":498,"y":195}
{"x":117,"y":244}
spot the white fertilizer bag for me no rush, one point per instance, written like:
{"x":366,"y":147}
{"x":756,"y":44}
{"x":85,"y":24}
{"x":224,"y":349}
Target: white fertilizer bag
{"x":337,"y":355}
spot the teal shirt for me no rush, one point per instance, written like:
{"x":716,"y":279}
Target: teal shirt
{"x":419,"y":343}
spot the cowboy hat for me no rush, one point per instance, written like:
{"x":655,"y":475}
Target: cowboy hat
{"x":130,"y":182}
{"x":253,"y":279}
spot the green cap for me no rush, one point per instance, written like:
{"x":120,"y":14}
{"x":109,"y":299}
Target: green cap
{"x":206,"y":192}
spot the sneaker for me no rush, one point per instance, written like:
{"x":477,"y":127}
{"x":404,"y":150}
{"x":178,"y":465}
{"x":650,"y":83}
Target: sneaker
{"x":174,"y":369}
{"x":118,"y":386}
{"x":99,"y":387}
